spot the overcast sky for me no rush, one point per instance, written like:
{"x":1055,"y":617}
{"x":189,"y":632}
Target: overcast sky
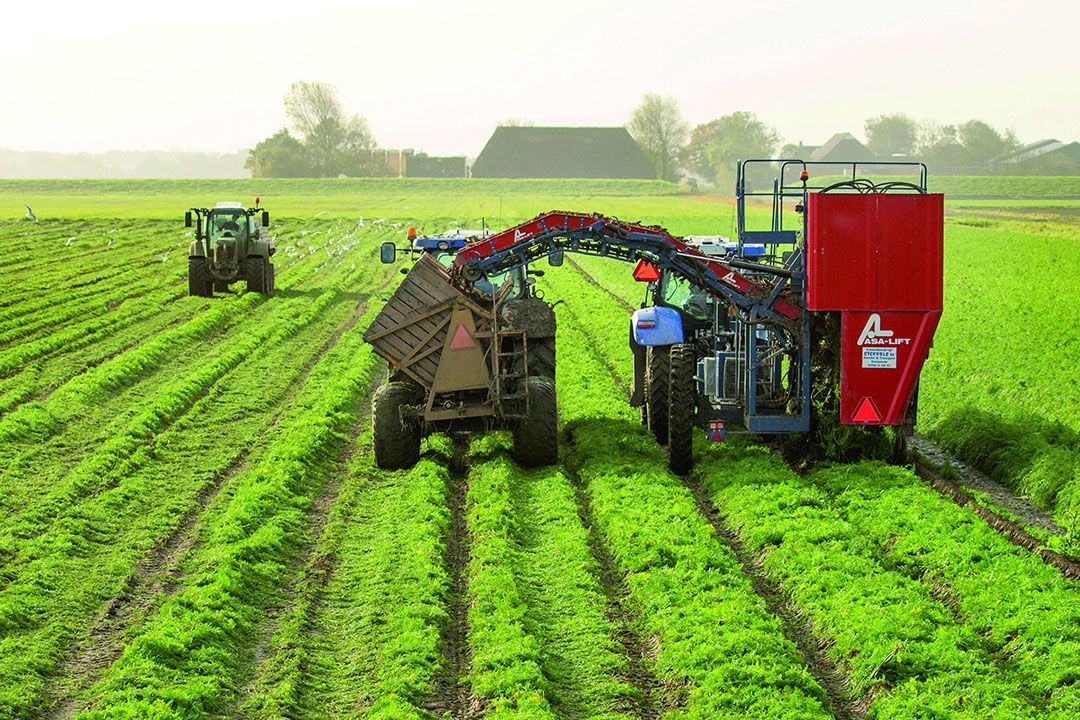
{"x":437,"y":75}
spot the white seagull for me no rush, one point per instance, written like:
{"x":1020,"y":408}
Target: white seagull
{"x":30,"y":214}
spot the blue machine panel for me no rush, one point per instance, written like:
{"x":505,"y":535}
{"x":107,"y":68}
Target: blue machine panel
{"x":657,"y":326}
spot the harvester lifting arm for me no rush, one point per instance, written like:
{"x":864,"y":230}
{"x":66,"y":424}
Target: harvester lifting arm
{"x":608,"y":237}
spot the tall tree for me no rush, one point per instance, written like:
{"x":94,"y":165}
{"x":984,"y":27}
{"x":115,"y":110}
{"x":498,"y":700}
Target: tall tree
{"x":660,"y":130}
{"x":280,"y":155}
{"x":984,"y":142}
{"x":336,"y":141}
{"x":891,"y":134}
{"x":716,"y":146}
{"x":932,"y":135}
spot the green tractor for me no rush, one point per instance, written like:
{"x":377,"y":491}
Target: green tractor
{"x":231,"y":243}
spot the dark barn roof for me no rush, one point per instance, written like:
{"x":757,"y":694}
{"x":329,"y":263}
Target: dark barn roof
{"x":562,"y":152}
{"x":843,"y":147}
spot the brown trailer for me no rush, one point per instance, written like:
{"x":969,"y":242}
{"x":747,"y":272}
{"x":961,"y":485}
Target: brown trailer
{"x":460,"y":360}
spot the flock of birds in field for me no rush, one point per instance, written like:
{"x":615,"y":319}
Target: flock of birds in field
{"x":343,"y":237}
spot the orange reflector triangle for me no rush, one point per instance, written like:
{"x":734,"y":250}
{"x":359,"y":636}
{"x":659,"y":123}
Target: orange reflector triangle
{"x":866,"y":412}
{"x":462,"y":339}
{"x":646,"y":272}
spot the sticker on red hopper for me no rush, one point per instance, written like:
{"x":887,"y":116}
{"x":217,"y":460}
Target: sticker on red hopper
{"x":879,"y":357}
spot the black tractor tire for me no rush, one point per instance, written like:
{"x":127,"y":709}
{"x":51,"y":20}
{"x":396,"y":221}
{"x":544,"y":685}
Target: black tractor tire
{"x":258,"y":275}
{"x":542,"y":358}
{"x":657,"y":371}
{"x":273,"y":283}
{"x":200,"y":284}
{"x":395,"y":442}
{"x":683,"y":400}
{"x":536,"y":438}
{"x":221,"y":286}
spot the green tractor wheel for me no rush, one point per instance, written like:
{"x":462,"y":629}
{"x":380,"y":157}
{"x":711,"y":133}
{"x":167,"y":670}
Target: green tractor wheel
{"x":200,"y":284}
{"x":260,"y":276}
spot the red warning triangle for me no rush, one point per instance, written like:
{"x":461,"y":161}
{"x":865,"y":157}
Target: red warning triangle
{"x":462,"y":339}
{"x":866,"y":412}
{"x":646,"y":272}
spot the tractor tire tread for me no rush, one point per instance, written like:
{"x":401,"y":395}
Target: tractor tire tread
{"x":536,"y":439}
{"x":683,"y":398}
{"x":200,"y":284}
{"x":396,"y":444}
{"x":657,"y":370}
{"x":542,"y":358}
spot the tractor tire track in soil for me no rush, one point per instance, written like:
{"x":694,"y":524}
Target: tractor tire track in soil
{"x":1017,"y":535}
{"x":831,"y":678}
{"x":158,"y":574}
{"x":451,"y":695}
{"x":656,"y":696}
{"x":970,"y":477}
{"x":821,"y":667}
{"x":593,"y":281}
{"x":603,"y":360}
{"x":312,"y":570}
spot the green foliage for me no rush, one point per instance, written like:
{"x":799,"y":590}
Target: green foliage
{"x":660,"y":130}
{"x":984,"y":142}
{"x":716,"y":146}
{"x":890,"y":135}
{"x":280,"y":155}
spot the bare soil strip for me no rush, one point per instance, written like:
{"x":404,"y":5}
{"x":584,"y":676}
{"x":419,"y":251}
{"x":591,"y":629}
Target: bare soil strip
{"x":656,"y":698}
{"x":1069,"y":567}
{"x":158,"y":574}
{"x":813,"y":649}
{"x":451,"y":695}
{"x":1000,"y":494}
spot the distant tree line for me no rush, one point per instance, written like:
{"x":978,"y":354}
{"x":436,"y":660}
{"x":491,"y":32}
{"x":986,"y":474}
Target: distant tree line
{"x":328,"y":142}
{"x":710,"y":150}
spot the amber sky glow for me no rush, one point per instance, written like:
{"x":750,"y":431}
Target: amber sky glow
{"x":438,"y":74}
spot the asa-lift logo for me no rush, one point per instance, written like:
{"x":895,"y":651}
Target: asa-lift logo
{"x":874,"y":334}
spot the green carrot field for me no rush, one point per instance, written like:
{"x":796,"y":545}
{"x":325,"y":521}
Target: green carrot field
{"x":192,"y":525}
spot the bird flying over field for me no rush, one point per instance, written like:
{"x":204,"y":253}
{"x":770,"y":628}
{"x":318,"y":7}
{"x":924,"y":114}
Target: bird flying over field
{"x":30,"y":214}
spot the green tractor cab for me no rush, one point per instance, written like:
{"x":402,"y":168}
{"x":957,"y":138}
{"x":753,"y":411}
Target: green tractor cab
{"x":231,"y":243}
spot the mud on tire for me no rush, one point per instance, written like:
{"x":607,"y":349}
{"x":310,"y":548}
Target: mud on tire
{"x":542,"y":358}
{"x":396,"y":444}
{"x":683,"y":399}
{"x":536,"y":438}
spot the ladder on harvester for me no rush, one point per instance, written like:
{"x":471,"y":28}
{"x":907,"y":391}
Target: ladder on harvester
{"x":509,"y":390}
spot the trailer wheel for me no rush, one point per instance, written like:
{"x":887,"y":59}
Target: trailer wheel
{"x":542,"y":358}
{"x":536,"y":438}
{"x":657,"y":370}
{"x":200,"y":283}
{"x":683,"y":398}
{"x":258,"y":277}
{"x":396,"y":443}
